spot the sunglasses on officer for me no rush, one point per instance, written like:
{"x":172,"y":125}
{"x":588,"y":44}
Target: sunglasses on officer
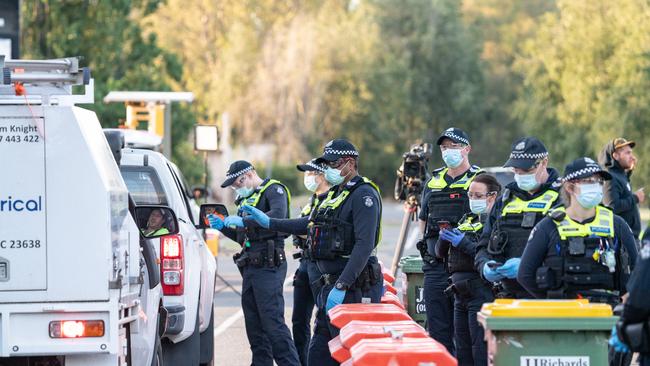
{"x":337,"y":163}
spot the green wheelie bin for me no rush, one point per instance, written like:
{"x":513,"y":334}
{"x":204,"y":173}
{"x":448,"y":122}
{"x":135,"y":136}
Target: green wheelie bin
{"x":547,"y":332}
{"x":413,"y":288}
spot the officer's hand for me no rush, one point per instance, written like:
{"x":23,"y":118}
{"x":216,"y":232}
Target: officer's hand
{"x":215,"y":222}
{"x":454,"y":236}
{"x":510,"y":268}
{"x":491,"y":274}
{"x":616,"y":343}
{"x":233,"y":222}
{"x":257,"y":215}
{"x":334,"y":298}
{"x":640,"y":195}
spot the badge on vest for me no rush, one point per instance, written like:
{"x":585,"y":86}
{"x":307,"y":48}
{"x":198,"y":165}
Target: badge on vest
{"x":280,"y":190}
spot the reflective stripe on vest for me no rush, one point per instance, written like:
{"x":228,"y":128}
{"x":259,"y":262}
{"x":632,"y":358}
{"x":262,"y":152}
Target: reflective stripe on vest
{"x":306,"y":211}
{"x":254,"y":198}
{"x":469,"y":226}
{"x":541,"y":204}
{"x":602,"y":225}
{"x":438,"y":181}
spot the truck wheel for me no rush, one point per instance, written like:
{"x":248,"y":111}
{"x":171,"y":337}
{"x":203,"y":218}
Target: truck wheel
{"x":186,"y":352}
{"x":207,"y":343}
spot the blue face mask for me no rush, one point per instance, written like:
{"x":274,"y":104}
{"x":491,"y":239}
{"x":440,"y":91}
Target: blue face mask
{"x":590,"y":195}
{"x":452,"y":157}
{"x":478,"y":206}
{"x":333,"y":176}
{"x":526,"y":182}
{"x":244,"y":191}
{"x":310,"y":183}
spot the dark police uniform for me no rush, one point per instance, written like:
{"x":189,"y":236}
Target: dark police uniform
{"x":470,"y":291}
{"x":305,"y":280}
{"x":342,"y":236}
{"x":515,"y":214}
{"x":633,"y":327}
{"x":264,"y":268}
{"x":443,"y":199}
{"x":569,"y":259}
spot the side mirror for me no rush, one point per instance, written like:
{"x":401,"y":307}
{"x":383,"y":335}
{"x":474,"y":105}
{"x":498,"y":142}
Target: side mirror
{"x":211,"y":209}
{"x":156,"y":221}
{"x":199,"y":192}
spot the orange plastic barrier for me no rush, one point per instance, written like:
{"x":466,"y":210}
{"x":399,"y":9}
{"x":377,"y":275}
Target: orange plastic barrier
{"x":391,"y":298}
{"x":387,"y":275}
{"x":357,"y":330}
{"x":403,"y":352}
{"x":341,"y":315}
{"x":339,"y":352}
{"x":390,"y":288}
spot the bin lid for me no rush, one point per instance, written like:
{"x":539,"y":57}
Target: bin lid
{"x":357,"y":330}
{"x":580,"y":308}
{"x":411,"y":264}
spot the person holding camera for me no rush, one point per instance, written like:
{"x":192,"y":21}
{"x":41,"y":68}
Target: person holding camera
{"x":444,"y":203}
{"x":470,"y":291}
{"x":523,"y":204}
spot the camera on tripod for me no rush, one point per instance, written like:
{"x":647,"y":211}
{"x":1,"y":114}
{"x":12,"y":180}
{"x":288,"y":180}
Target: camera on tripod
{"x":413,"y":174}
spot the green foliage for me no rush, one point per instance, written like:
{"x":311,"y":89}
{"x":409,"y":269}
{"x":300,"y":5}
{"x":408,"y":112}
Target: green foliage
{"x":108,"y":36}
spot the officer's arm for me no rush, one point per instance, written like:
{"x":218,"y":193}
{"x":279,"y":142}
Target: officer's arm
{"x":482,"y":255}
{"x":626,"y":238}
{"x":290,"y":226}
{"x":637,"y":307}
{"x":365,"y":218}
{"x":534,"y":255}
{"x":468,"y":246}
{"x":424,"y":210}
{"x":276,"y":196}
{"x":229,"y":233}
{"x":613,"y":197}
{"x":442,"y":248}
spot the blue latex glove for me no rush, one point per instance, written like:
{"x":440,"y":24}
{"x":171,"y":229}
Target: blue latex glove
{"x":616,"y":343}
{"x":334,"y":298}
{"x":454,"y":236}
{"x":233,"y":222}
{"x":257,"y":215}
{"x":510,"y":268}
{"x":215,"y":222}
{"x":491,"y":274}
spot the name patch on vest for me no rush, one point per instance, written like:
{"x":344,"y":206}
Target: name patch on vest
{"x":597,"y":229}
{"x":536,"y":205}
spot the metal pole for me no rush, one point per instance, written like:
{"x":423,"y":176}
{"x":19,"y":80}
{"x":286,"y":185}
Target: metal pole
{"x":205,"y":175}
{"x":410,"y":214}
{"x":167,"y":140}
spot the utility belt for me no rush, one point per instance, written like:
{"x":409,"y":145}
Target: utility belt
{"x":635,"y":335}
{"x":260,"y":259}
{"x":369,"y":276}
{"x":465,"y":288}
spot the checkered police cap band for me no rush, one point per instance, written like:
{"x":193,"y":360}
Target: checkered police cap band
{"x":340,"y":152}
{"x":528,"y":156}
{"x":237,"y":174}
{"x":318,"y":167}
{"x":582,"y":172}
{"x":456,"y":137}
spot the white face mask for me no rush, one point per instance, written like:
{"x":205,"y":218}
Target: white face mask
{"x":310,"y":183}
{"x":478,"y":206}
{"x":591,"y":194}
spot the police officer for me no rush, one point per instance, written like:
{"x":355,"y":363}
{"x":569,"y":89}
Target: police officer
{"x":444,"y":203}
{"x":582,"y":249}
{"x":342,"y":234}
{"x":632,"y":332}
{"x":524,"y":203}
{"x":262,"y":263}
{"x":304,"y":294}
{"x":470,"y":291}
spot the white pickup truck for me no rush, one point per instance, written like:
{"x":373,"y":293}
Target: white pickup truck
{"x":75,"y":288}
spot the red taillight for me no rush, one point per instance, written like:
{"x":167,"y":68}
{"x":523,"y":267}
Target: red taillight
{"x":171,"y":264}
{"x":77,"y":328}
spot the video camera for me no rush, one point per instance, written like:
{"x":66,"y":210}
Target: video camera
{"x":413,"y":174}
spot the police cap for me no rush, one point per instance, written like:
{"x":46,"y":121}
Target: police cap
{"x":337,"y":149}
{"x":236,"y":169}
{"x":455,"y":134}
{"x":526,"y":152}
{"x":584,"y":168}
{"x":311,"y":166}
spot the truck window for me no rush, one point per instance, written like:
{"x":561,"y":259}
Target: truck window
{"x":144,"y":185}
{"x":182,"y":190}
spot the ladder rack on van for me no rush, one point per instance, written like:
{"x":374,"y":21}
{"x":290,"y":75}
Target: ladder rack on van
{"x":45,"y":82}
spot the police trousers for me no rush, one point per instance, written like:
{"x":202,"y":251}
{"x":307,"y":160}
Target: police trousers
{"x":440,"y":307}
{"x":471,"y":348}
{"x":303,"y":307}
{"x":263,"y":306}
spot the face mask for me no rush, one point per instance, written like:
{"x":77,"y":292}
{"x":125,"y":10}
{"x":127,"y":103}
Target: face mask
{"x":478,"y":206}
{"x":527,"y":182}
{"x":310,"y":183}
{"x":244,"y":191}
{"x":333,"y":176}
{"x":590,"y":195}
{"x":452,"y":157}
